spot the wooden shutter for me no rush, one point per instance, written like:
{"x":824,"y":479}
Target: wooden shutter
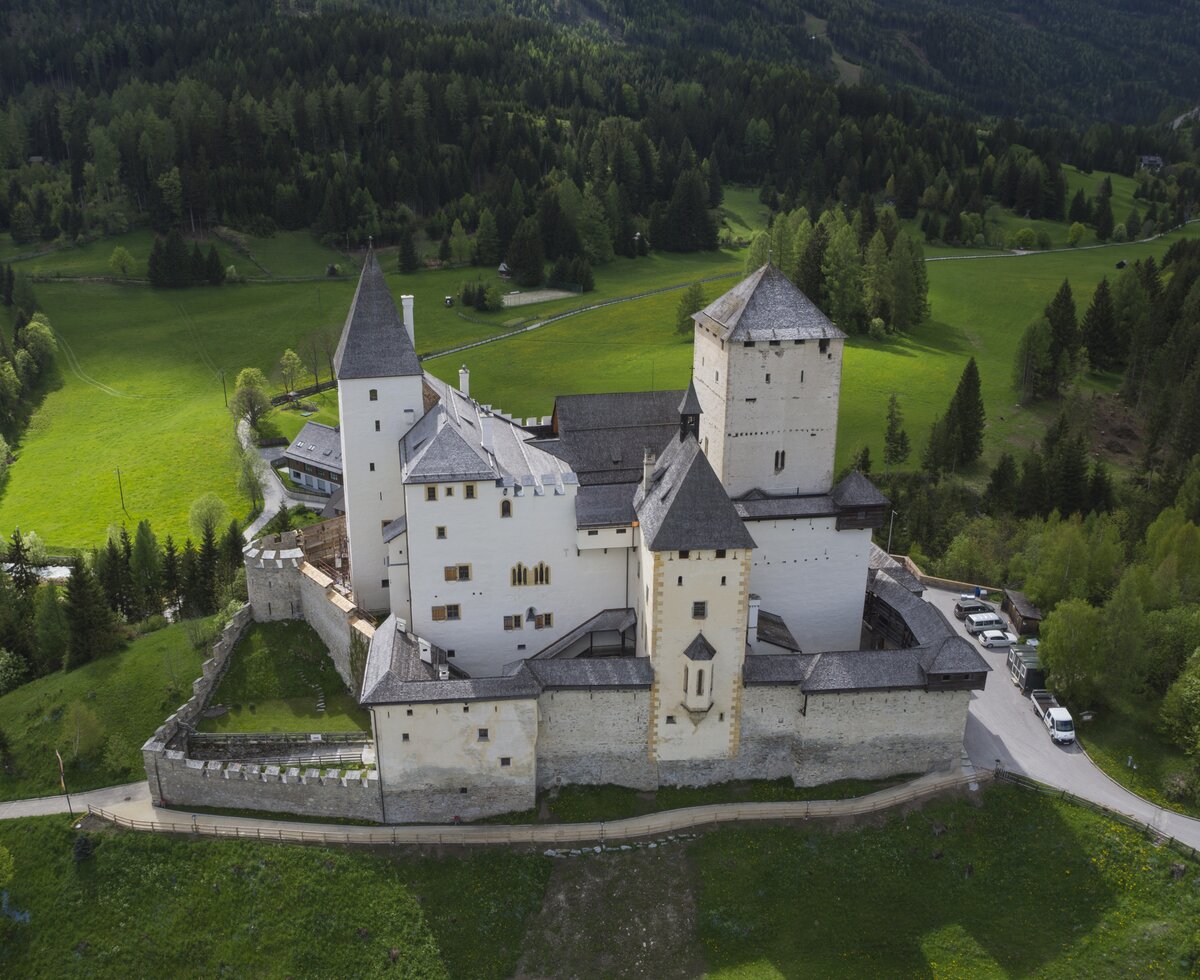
{"x":439,"y":613}
{"x":451,"y":573}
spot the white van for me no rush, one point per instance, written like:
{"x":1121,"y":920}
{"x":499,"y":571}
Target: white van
{"x":978,"y":622}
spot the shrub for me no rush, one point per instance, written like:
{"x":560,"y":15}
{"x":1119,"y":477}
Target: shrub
{"x":13,"y":672}
{"x":83,"y":848}
{"x":877,"y":329}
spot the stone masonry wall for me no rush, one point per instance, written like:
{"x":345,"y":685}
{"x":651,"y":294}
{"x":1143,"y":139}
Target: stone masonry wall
{"x":595,"y":737}
{"x":333,"y":616}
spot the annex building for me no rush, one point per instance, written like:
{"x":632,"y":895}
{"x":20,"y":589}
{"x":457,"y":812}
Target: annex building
{"x":644,"y":588}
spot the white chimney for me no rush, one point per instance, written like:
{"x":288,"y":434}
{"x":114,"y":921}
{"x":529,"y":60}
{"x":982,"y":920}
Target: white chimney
{"x":406,"y":304}
{"x":647,"y":468}
{"x":752,"y":618}
{"x":426,"y":650}
{"x":485,"y":432}
{"x":464,"y":381}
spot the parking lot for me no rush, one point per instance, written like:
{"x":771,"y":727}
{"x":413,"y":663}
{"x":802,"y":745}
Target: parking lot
{"x":1003,"y":727}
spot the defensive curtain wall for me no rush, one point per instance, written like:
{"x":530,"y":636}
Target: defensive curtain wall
{"x":282,"y":585}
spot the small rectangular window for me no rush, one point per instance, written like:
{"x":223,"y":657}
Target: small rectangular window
{"x":404,"y":737}
{"x":431,"y":493}
{"x":372,"y":467}
{"x":768,"y":379}
{"x":440,"y":533}
{"x":747,"y":343}
{"x":449,"y":491}
{"x":722,"y":579}
{"x":452,"y":612}
{"x":699,"y":610}
{"x":466,"y":708}
{"x":549,"y":619}
{"x":822,"y":346}
{"x":508,"y":622}
{"x":592,"y":534}
{"x":450,"y":653}
{"x":469,"y":491}
{"x":409,"y":712}
{"x":384,"y":583}
{"x":622,"y":530}
{"x":483,"y":735}
{"x":685,"y":554}
{"x":373,"y":394}
{"x":377,"y":425}
{"x":774,"y":343}
{"x":720,"y":552}
{"x":505,"y":761}
{"x":670,"y":719}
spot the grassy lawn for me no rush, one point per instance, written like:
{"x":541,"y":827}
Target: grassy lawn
{"x":295,"y":253}
{"x":1014,"y":884}
{"x":288,"y":422}
{"x":743,"y":213}
{"x":1115,"y":734}
{"x":146,"y":906}
{"x":584,"y":804}
{"x":272,"y":682}
{"x":129,"y":693}
{"x":1020,"y":886}
{"x":92,"y":259}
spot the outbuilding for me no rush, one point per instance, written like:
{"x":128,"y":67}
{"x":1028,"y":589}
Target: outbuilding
{"x":1026,"y":617}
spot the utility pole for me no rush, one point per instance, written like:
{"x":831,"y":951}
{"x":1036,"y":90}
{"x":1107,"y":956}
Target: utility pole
{"x":121,"y":490}
{"x":891,"y":524}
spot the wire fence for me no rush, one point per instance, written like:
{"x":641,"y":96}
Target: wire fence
{"x":598,"y":832}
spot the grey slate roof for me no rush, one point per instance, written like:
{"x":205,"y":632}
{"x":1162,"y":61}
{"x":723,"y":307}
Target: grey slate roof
{"x":858,"y":670}
{"x":880,"y":560}
{"x":607,"y":621}
{"x":395,"y":528}
{"x":586,"y":672}
{"x":856,"y":490}
{"x":686,"y":506}
{"x":699,"y":649}
{"x":758,"y":506}
{"x":772,"y":629}
{"x":605,"y":505}
{"x":603,"y":436}
{"x":691,"y":401}
{"x":447,"y":444}
{"x":318,"y":444}
{"x":1021,"y":603}
{"x":767,"y":306}
{"x":374,"y":343}
{"x":925,"y":621}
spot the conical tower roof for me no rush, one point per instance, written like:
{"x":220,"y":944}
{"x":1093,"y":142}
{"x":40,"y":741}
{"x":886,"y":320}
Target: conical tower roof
{"x":691,"y":401}
{"x":766,"y":305}
{"x":374,"y":343}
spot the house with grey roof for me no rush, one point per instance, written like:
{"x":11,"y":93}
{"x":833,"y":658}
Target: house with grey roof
{"x":644,"y":588}
{"x":314,"y":458}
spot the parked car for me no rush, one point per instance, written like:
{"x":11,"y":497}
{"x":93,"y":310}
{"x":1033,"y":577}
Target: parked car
{"x":997,"y":638}
{"x":979,"y":622}
{"x":1058,"y":720}
{"x":968,"y":604}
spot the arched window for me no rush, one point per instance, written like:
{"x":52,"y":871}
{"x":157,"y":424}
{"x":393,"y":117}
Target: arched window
{"x":520,"y":574}
{"x":506,"y":508}
{"x":700,"y":682}
{"x":541,"y":574}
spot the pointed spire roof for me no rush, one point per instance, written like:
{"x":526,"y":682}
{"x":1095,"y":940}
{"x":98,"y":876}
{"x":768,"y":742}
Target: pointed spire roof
{"x":374,"y":343}
{"x":686,"y":506}
{"x":691,"y":401}
{"x":767,"y":306}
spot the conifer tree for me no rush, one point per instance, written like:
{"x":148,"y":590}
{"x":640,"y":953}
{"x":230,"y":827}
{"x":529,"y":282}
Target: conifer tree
{"x":145,"y":573}
{"x":1100,"y":330}
{"x":50,"y":630}
{"x":895,"y":439}
{"x":214,"y":272}
{"x":408,"y":250}
{"x":24,"y":576}
{"x":170,"y":572}
{"x":1001,"y":494}
{"x":487,"y":242}
{"x":1064,"y":333}
{"x":91,"y":630}
{"x":206,"y":572}
{"x":526,"y":257}
{"x":231,"y":550}
{"x":966,"y":415}
{"x":811,"y":278}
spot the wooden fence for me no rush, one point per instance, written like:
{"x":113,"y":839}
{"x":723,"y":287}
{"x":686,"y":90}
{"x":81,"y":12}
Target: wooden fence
{"x":600,"y":832}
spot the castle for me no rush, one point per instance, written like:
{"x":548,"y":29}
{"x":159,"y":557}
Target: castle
{"x":646,"y":588}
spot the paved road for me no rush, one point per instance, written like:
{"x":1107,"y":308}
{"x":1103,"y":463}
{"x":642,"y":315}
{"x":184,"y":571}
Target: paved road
{"x":108,"y":798}
{"x":1002,"y":725}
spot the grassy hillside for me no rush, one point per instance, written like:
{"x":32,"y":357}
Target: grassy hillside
{"x":1016,"y":885}
{"x":128,"y":694}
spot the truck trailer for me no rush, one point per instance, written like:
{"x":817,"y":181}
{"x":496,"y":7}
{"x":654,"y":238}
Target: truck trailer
{"x":1057,"y":719}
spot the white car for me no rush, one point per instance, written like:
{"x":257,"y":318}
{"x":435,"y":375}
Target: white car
{"x":997,"y":638}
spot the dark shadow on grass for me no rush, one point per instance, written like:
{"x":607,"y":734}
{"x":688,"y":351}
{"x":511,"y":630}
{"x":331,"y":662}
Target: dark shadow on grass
{"x":932,"y":337}
{"x":1011,"y":875}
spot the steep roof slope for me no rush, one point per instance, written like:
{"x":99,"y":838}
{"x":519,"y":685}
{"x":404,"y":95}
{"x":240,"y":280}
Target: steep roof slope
{"x":767,"y":306}
{"x":374,"y":343}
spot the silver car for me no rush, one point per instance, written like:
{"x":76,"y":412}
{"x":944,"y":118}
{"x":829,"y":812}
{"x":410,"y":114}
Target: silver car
{"x":997,"y":638}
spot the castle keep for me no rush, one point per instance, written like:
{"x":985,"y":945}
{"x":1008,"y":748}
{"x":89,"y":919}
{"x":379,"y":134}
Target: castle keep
{"x":645,"y":588}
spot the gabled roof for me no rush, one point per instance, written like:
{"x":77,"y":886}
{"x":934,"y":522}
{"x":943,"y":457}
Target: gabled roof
{"x":318,"y":444}
{"x":686,"y":506}
{"x":856,"y":490}
{"x":699,"y":649}
{"x":374,"y":343}
{"x":448,"y":455}
{"x":767,"y":306}
{"x":605,"y":505}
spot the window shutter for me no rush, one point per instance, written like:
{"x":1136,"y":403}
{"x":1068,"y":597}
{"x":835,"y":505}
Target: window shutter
{"x":439,"y":613}
{"x":451,"y":573}
{"x":538,"y":622}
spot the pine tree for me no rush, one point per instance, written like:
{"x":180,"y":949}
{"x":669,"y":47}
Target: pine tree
{"x":170,"y":572}
{"x":145,"y":573}
{"x":231,"y":550}
{"x":24,"y":576}
{"x":966,"y":416}
{"x":526,"y":257}
{"x":1079,"y":210}
{"x":91,"y":630}
{"x":214,"y":272}
{"x":811,"y":278}
{"x":1064,"y":333}
{"x":50,"y":630}
{"x":1100,"y":498}
{"x":1102,"y":218}
{"x":110,"y":575}
{"x":1003,"y":486}
{"x":408,"y":250}
{"x":1033,"y":495}
{"x":877,"y":286}
{"x":206,"y":566}
{"x":1100,"y":330}
{"x":1068,"y":476}
{"x":895,"y":439}
{"x":487,"y":242}
{"x":191,"y":585}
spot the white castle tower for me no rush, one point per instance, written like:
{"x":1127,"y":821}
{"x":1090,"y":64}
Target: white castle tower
{"x":767,"y":365}
{"x":380,"y":397}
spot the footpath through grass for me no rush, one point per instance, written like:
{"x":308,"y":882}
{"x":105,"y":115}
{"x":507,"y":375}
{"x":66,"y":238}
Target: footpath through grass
{"x":1012,"y":884}
{"x":275,"y":676}
{"x":127,"y":694}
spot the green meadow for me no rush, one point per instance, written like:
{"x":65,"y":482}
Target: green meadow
{"x":140,"y":370}
{"x":1011,"y":884}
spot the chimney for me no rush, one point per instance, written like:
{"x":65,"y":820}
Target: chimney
{"x":485,"y":432}
{"x":464,"y":381}
{"x":406,"y":303}
{"x":647,"y":468}
{"x":426,"y":650}
{"x":752,"y":618}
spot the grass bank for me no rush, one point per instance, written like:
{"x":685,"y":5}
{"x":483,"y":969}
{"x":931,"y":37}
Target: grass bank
{"x":276,"y":674}
{"x":127,"y":694}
